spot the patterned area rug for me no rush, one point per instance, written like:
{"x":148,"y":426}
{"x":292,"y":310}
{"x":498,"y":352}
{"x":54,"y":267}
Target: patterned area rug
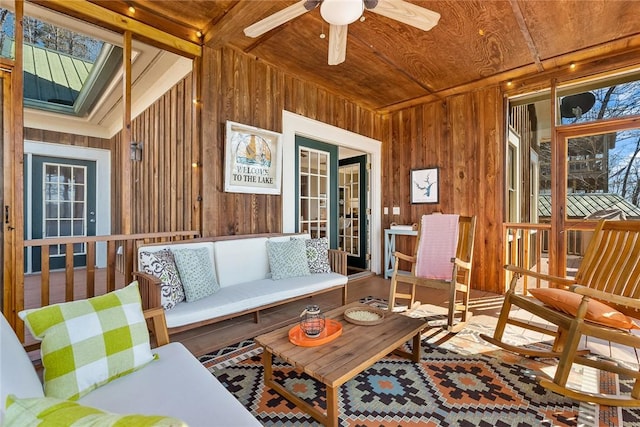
{"x":454,"y":384}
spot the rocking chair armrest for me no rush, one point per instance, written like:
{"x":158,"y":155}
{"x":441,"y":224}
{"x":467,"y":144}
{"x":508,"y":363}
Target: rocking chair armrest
{"x":405,"y":257}
{"x":461,"y":264}
{"x":555,"y":279}
{"x":607,"y":297}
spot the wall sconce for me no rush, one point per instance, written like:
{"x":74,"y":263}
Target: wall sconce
{"x":136,"y":151}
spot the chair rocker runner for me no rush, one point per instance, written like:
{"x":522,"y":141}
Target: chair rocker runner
{"x":599,"y":303}
{"x":443,"y":258}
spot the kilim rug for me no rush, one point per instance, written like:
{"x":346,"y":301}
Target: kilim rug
{"x":453,"y":384}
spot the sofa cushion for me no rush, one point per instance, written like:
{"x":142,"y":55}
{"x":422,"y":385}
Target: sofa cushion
{"x":175,"y":385}
{"x":246,"y":296}
{"x":58,"y":412}
{"x":17,"y":374}
{"x":568,"y":302}
{"x":89,"y":342}
{"x":288,"y":259}
{"x":196,"y":272}
{"x":318,"y":255}
{"x":161,"y":264}
{"x":241,"y":260}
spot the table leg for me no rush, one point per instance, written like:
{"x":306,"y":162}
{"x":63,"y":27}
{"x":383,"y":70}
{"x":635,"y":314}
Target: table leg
{"x":332,"y":407}
{"x":267,"y":360}
{"x":330,"y":418}
{"x":417,"y":343}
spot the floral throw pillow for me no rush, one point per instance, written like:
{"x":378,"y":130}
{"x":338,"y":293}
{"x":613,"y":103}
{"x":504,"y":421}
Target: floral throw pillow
{"x":318,"y":255}
{"x":162,"y":265}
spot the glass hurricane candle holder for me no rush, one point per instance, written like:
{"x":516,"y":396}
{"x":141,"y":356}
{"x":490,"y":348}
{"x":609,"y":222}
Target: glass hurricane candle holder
{"x":312,"y":321}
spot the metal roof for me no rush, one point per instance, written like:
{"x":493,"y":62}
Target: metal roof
{"x":582,"y":205}
{"x":51,"y":76}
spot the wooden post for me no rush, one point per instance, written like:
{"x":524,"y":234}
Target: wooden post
{"x":125,"y":140}
{"x":13,"y":212}
{"x":196,"y":137}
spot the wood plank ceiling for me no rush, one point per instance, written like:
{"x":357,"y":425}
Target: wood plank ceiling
{"x":390,"y":65}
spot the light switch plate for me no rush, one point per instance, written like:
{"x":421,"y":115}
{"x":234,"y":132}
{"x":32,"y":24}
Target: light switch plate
{"x":386,"y":210}
{"x":396,"y":210}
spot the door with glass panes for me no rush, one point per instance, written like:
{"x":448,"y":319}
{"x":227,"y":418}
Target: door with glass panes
{"x":352,"y":210}
{"x":317,"y":189}
{"x":62,"y":204}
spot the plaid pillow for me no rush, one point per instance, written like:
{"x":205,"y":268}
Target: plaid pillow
{"x":56,"y":412}
{"x":88,"y":343}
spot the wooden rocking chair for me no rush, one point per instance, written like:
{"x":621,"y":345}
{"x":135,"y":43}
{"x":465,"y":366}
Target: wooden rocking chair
{"x":610,"y":274}
{"x":455,"y":277}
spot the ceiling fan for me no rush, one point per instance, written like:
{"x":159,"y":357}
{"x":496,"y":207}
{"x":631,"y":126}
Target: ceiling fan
{"x":340,"y":13}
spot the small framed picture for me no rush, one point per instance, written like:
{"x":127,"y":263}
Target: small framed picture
{"x":424,"y":185}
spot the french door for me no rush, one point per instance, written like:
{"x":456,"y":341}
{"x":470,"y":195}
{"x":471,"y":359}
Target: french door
{"x":352,"y":210}
{"x":62,"y":204}
{"x":317,"y":189}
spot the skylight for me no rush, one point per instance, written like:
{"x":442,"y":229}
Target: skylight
{"x":64,"y":71}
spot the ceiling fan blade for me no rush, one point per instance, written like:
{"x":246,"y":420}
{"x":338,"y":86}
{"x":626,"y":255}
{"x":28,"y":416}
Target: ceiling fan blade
{"x":278,"y":18}
{"x":407,"y":13}
{"x":337,"y":44}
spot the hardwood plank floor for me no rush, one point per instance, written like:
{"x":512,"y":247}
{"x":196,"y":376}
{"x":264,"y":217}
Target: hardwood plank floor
{"x":485,"y":307}
{"x":213,"y":337}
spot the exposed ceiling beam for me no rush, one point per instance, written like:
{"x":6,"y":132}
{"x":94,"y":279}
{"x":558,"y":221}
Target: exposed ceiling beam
{"x":104,"y":17}
{"x":522,"y":23}
{"x":140,"y":12}
{"x":239,"y":16}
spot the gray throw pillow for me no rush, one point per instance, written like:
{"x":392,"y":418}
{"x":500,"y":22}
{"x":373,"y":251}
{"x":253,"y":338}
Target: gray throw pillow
{"x":287,"y":259}
{"x":162,"y":265}
{"x":196,"y":272}
{"x":318,"y":255}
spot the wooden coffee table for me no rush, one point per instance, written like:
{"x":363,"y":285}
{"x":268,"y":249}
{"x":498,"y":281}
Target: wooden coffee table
{"x":338,"y":361}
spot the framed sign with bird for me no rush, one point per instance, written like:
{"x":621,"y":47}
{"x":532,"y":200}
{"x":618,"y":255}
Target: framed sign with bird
{"x":425,"y":185}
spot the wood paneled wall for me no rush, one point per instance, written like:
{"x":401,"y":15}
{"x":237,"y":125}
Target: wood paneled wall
{"x":462,"y":135}
{"x":49,"y":136}
{"x":165,"y":186}
{"x":239,"y":88}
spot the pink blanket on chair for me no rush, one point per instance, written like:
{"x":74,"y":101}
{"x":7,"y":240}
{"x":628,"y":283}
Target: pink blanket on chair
{"x":438,"y":244}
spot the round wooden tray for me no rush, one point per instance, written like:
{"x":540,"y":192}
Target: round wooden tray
{"x":332,"y":330}
{"x":379,"y":313}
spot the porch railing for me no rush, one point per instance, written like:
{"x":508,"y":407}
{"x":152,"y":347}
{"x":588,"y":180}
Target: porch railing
{"x":525,"y":245}
{"x":120,"y":259}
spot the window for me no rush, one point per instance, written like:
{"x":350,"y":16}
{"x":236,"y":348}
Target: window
{"x":64,"y":71}
{"x":513,"y":178}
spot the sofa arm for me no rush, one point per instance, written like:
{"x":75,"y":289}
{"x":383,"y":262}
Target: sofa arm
{"x":338,"y":261}
{"x":150,"y":288}
{"x":158,"y":325}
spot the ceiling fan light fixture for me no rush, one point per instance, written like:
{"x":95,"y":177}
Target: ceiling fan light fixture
{"x":341,"y":12}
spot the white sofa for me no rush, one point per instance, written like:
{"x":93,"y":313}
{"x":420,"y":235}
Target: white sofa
{"x":175,"y":385}
{"x":242,"y":270}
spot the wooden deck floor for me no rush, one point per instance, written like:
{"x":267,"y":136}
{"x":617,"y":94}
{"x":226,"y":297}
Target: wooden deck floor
{"x":485,"y":307}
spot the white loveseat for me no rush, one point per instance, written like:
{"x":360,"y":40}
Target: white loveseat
{"x":174,"y":385}
{"x":242,"y":270}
